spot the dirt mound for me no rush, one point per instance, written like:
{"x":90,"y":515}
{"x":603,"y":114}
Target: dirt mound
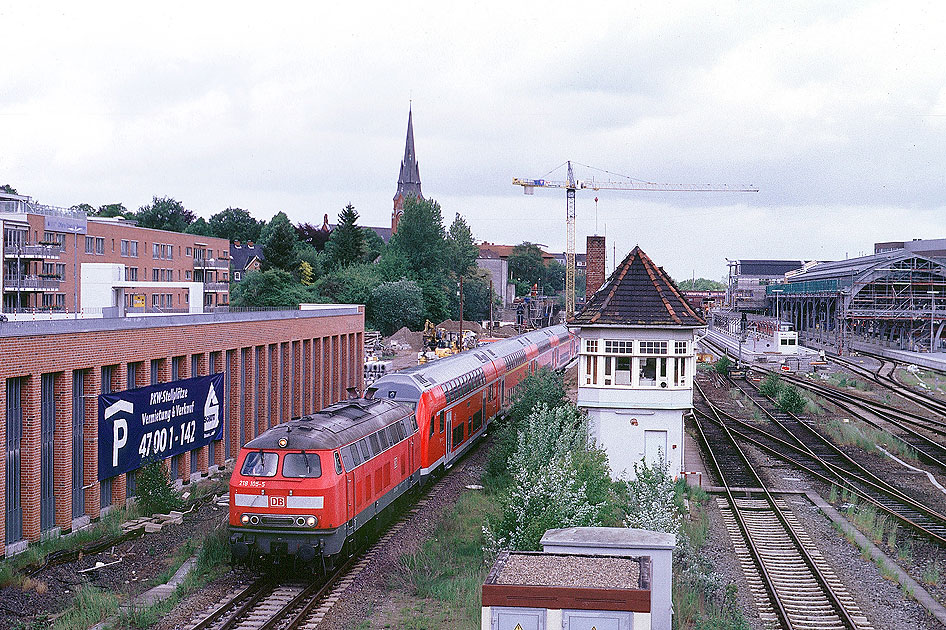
{"x":453,"y":325}
{"x":404,"y":337}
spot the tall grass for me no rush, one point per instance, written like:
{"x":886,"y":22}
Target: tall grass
{"x":863,"y":436}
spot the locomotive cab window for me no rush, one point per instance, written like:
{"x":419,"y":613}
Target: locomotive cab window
{"x":365,"y":451}
{"x":260,"y":464}
{"x":338,"y":464}
{"x":301,"y":465}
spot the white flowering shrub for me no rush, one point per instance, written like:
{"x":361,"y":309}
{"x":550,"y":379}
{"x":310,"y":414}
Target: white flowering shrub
{"x":652,"y":499}
{"x":549,"y":433}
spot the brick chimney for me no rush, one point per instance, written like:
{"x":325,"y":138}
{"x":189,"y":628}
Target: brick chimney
{"x":594,"y":265}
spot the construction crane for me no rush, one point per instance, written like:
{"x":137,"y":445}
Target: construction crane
{"x":571,"y":185}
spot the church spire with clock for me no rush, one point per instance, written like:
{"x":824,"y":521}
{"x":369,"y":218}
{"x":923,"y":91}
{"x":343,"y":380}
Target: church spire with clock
{"x":408,"y":181}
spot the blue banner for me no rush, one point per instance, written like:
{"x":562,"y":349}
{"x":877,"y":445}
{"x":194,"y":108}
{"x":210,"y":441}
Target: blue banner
{"x":138,"y":426}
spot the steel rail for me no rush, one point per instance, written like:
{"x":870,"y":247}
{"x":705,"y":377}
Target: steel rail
{"x":784,"y":615}
{"x":924,"y":400}
{"x":893,"y":503}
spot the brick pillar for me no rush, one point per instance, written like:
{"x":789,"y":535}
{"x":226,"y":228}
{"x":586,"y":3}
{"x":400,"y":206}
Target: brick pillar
{"x":119,"y":382}
{"x":90,"y":433}
{"x":360,"y":360}
{"x":297,"y":386}
{"x":164,"y":376}
{"x":262,"y":390}
{"x":234,"y":408}
{"x":305,"y":377}
{"x":594,"y":264}
{"x":282,"y":378}
{"x":318,"y":387}
{"x":62,"y":455}
{"x":336,"y":369}
{"x":29,"y":457}
{"x":272,"y":376}
{"x":3,"y":441}
{"x":184,"y":461}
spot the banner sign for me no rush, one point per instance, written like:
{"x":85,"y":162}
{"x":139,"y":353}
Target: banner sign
{"x":138,"y":426}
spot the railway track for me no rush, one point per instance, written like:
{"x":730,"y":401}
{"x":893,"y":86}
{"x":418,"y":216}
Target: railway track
{"x":883,"y":376}
{"x":800,"y":445}
{"x":790,"y":581}
{"x":910,"y":427}
{"x":265,"y":603}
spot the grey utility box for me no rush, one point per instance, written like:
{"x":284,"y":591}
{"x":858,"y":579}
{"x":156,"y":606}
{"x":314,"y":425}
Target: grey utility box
{"x":656,"y":547}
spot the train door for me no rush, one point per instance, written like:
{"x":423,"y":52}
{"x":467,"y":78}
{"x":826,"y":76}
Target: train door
{"x":502,"y":391}
{"x":449,"y":431}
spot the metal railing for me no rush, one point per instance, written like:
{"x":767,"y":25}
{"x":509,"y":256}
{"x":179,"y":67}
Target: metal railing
{"x":31,"y":283}
{"x":29,"y":207}
{"x":212,"y":263}
{"x":33,"y":251}
{"x":216,"y":286}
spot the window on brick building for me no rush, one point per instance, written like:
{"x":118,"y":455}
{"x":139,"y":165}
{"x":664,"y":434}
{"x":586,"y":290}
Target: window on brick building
{"x":100,"y":246}
{"x":89,"y":244}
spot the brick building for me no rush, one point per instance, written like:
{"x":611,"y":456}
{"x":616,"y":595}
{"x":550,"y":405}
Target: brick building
{"x":276,"y":366}
{"x":45,"y":248}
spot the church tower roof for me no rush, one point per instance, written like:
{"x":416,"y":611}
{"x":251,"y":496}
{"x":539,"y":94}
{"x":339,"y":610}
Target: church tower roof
{"x":408,"y":181}
{"x":638,"y":293}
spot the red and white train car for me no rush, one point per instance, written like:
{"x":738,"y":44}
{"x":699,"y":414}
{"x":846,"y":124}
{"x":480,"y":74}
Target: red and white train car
{"x":304,"y":488}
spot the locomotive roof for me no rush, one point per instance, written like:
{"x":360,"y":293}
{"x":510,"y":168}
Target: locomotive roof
{"x":333,"y":427}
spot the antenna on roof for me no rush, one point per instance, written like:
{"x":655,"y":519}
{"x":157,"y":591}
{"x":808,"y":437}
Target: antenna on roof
{"x":352,"y":393}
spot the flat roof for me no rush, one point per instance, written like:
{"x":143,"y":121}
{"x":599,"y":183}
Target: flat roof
{"x":131,"y":322}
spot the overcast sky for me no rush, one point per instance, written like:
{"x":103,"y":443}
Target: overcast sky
{"x":836,"y":111}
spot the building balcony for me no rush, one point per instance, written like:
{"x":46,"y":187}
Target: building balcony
{"x":31,"y":283}
{"x":32,"y":251}
{"x":212,"y":263}
{"x":217,"y":286}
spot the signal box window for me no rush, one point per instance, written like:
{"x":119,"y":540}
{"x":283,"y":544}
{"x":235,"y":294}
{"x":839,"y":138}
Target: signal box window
{"x":301,"y":465}
{"x":260,"y":464}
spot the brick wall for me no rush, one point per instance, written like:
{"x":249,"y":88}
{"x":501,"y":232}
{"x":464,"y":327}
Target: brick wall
{"x":293,"y":353}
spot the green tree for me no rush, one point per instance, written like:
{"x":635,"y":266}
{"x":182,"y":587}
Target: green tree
{"x":461,"y":248}
{"x":200,"y":227}
{"x":374,"y":245}
{"x":420,"y":236}
{"x":113,"y":210}
{"x":346,"y":245}
{"x":235,"y":224}
{"x":790,"y":400}
{"x":476,"y":297}
{"x":722,"y":365}
{"x":554,"y":278}
{"x":305,"y":253}
{"x":279,"y":248}
{"x":701,"y":284}
{"x":396,"y":304}
{"x":306,"y":274}
{"x":7,"y":188}
{"x":83,"y":207}
{"x":527,"y":267}
{"x":349,"y":285}
{"x":274,"y":287}
{"x":164,"y":213}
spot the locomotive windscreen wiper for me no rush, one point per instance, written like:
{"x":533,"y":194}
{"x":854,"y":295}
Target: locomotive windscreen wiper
{"x":306,"y":458}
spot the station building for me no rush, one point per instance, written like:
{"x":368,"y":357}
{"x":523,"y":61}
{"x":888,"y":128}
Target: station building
{"x":749,"y":278}
{"x":45,"y":249}
{"x":275,"y":365}
{"x":895,"y":298}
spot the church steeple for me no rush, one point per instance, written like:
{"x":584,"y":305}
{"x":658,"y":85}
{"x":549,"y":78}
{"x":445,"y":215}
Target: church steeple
{"x":408,"y":181}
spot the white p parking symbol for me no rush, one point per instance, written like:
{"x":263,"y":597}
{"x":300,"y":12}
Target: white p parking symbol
{"x":120,"y":427}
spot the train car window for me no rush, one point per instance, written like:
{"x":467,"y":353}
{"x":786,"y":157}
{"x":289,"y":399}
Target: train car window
{"x":375,"y":445}
{"x":365,"y":451}
{"x":458,"y":435}
{"x":441,"y":421}
{"x":413,"y":424}
{"x":401,"y":433}
{"x":346,"y":459}
{"x":260,"y":464}
{"x":392,"y":435}
{"x":338,"y":464}
{"x":383,"y":439}
{"x":301,"y":465}
{"x":431,"y":427}
{"x":355,"y":455}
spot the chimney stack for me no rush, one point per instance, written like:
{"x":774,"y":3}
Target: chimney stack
{"x":594,"y":265}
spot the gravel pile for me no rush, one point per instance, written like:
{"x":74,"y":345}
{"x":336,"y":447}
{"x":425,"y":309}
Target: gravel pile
{"x":569,"y":571}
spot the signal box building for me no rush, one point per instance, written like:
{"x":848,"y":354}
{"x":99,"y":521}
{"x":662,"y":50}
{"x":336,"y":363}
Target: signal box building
{"x":272,"y":366}
{"x":636,"y":365}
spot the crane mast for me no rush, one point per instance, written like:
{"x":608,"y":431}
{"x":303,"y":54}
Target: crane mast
{"x":571,"y":186}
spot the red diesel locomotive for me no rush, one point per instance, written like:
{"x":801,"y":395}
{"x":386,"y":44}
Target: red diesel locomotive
{"x":304,"y":488}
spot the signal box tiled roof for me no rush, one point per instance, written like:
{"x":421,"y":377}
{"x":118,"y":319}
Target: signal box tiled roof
{"x":638,"y":293}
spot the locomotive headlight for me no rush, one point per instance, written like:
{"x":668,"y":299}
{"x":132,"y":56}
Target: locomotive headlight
{"x":254,"y":519}
{"x":311,"y":521}
{"x":245,"y":519}
{"x":283,"y":442}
